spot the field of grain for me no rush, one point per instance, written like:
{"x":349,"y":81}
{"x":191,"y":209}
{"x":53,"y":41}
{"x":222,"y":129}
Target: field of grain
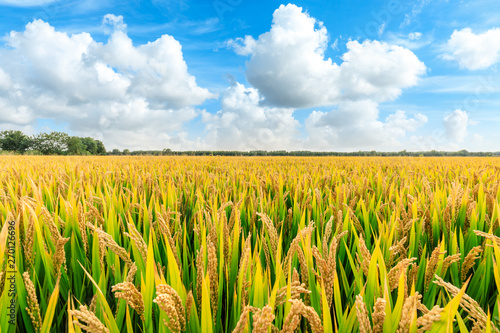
{"x":211,"y":244}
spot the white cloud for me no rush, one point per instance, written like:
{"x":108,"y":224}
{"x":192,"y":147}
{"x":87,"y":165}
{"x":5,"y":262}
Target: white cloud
{"x":411,"y":41}
{"x":474,"y":51}
{"x":355,"y":125}
{"x":112,"y":90}
{"x":455,"y":125}
{"x":114,"y":22}
{"x":418,"y":7}
{"x":381,"y":29}
{"x":414,"y":35}
{"x":188,"y":27}
{"x":287,"y":63}
{"x":335,"y":44}
{"x":5,"y":81}
{"x":142,"y":96}
{"x":288,"y":67}
{"x":401,"y":121}
{"x":25,"y":3}
{"x":378,"y":71}
{"x":243,"y":124}
{"x":372,"y":69}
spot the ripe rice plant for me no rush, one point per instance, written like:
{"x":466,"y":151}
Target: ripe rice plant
{"x":211,"y":244}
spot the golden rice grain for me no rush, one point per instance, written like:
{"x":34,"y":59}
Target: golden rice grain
{"x":128,"y":292}
{"x":33,"y":307}
{"x":88,"y":321}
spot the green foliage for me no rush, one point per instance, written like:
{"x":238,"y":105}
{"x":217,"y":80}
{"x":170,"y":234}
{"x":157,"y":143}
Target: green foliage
{"x":54,"y":143}
{"x":360,"y":244}
{"x":90,"y":145}
{"x":101,"y":150}
{"x":76,"y":146}
{"x":14,"y":141}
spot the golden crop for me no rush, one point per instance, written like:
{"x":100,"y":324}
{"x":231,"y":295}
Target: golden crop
{"x":212,"y":244}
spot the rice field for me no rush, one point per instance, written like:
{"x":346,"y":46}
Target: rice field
{"x":212,"y":244}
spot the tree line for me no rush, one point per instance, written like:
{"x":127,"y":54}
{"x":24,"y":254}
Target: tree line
{"x":54,"y":143}
{"x":169,"y":152}
{"x":60,"y":143}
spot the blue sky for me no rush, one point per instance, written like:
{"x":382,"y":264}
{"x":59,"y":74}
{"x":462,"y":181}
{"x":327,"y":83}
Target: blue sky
{"x":239,"y":74}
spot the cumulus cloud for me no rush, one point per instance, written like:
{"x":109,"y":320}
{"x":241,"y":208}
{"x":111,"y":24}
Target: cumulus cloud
{"x":243,"y":124}
{"x":113,"y":23}
{"x":113,"y":90}
{"x":474,"y":51}
{"x":378,"y":71}
{"x":401,"y":121}
{"x":142,"y":96}
{"x":288,"y":66}
{"x":455,"y":125}
{"x":355,"y":125}
{"x":452,"y":136}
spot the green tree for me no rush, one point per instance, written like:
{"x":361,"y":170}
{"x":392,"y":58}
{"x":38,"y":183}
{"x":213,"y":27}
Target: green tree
{"x":76,"y":146}
{"x":101,"y":150}
{"x":90,"y":145}
{"x":54,"y":143}
{"x":14,"y":141}
{"x":126,"y":152}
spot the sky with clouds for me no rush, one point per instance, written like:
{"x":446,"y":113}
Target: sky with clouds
{"x":315,"y":75}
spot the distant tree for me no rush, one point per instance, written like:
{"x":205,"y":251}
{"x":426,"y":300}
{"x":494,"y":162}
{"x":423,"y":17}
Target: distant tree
{"x":126,"y":152}
{"x":116,"y":152}
{"x":54,"y":143}
{"x":90,"y":145}
{"x":15,"y":141}
{"x":101,"y":150}
{"x":76,"y":146}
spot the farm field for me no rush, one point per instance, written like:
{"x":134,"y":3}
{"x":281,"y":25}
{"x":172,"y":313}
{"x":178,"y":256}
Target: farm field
{"x":213,"y":244}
